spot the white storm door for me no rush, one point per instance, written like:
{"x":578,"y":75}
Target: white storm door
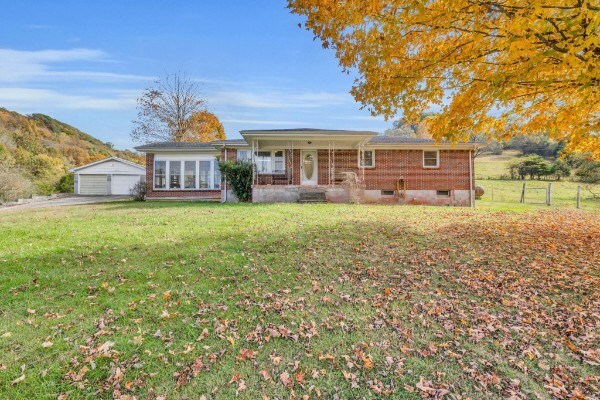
{"x":308,"y":165}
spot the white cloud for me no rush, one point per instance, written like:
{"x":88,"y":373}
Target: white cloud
{"x":27,"y":66}
{"x":279,"y":99}
{"x":36,"y":99}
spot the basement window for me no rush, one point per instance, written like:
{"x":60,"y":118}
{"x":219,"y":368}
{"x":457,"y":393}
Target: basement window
{"x":443,"y":193}
{"x":387,"y":192}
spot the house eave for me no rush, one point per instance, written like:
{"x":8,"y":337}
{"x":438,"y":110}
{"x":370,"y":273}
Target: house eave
{"x":421,"y":146}
{"x":113,"y":158}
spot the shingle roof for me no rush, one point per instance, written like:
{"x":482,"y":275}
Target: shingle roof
{"x":392,"y":140}
{"x":404,"y":140}
{"x":176,"y":145}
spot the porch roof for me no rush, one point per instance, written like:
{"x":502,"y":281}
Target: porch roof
{"x":307,"y":137}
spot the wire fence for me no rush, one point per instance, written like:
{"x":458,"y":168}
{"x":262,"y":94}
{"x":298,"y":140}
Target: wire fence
{"x":567,"y":194}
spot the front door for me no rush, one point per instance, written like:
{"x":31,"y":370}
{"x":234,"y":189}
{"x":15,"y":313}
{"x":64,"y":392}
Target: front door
{"x":308,"y":165}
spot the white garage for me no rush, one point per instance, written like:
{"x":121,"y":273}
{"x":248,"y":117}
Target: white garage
{"x":111,"y":176}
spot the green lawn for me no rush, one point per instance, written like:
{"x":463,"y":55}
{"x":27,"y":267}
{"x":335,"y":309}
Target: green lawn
{"x":183,"y":300}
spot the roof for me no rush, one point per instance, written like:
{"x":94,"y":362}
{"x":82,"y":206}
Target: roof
{"x":176,"y":145}
{"x":408,"y":140}
{"x":241,"y":142}
{"x":113,"y":158}
{"x":393,"y":140}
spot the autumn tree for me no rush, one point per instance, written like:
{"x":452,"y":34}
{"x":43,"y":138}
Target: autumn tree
{"x":173,"y":110}
{"x":491,"y":66}
{"x":204,"y":127}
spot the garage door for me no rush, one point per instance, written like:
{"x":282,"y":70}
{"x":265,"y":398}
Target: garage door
{"x":93,"y":185}
{"x":122,"y":184}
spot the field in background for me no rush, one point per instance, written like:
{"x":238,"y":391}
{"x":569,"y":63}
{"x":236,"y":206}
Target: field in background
{"x":489,"y":168}
{"x":183,"y":300}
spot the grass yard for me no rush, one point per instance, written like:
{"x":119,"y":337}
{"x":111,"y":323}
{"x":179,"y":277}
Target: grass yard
{"x":187,"y":300}
{"x":490,"y":166}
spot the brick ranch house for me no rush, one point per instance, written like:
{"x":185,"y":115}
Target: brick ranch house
{"x":292,"y":165}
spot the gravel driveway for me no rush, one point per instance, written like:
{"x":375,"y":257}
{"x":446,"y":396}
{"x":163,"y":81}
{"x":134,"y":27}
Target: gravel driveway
{"x":65,"y":201}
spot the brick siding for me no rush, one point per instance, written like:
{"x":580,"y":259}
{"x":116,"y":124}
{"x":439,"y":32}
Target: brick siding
{"x":390,"y":166}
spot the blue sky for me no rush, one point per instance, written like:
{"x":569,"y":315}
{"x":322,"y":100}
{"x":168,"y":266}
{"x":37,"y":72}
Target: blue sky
{"x":86,"y":62}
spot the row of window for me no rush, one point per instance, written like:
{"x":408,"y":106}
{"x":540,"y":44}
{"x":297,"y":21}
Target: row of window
{"x":273,"y":162}
{"x":188,"y":174}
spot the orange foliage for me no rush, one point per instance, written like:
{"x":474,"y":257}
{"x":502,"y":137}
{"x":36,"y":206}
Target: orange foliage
{"x":502,"y":68}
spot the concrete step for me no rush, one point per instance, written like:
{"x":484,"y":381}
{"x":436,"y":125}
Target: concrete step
{"x":311,"y":196}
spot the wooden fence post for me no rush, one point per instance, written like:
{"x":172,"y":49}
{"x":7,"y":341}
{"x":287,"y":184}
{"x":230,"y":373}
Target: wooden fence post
{"x":549,"y":195}
{"x":523,"y":194}
{"x":578,"y":196}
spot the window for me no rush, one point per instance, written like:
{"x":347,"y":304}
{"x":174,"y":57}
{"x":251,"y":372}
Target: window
{"x":431,"y":159}
{"x":279,"y":162}
{"x":189,"y":175}
{"x":217,"y":184}
{"x":270,"y":162}
{"x":204,"y":174}
{"x":160,"y":174}
{"x":444,"y":193}
{"x":263,"y":162}
{"x":368,"y":159}
{"x":244,"y":155}
{"x":174,"y":174}
{"x":387,"y":192}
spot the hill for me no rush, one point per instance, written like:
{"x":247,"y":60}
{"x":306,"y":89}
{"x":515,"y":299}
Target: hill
{"x":36,"y":151}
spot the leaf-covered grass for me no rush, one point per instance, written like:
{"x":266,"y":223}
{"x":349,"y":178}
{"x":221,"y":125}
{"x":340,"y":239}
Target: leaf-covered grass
{"x":183,"y":300}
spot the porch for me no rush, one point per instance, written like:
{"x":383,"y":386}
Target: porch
{"x":307,"y":158}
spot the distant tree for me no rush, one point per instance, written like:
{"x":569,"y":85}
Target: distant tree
{"x":560,"y":169}
{"x":13,"y":184}
{"x":165,"y":110}
{"x":110,"y":145}
{"x":403,"y":128}
{"x":533,"y":166}
{"x":534,"y":144}
{"x":589,"y":171}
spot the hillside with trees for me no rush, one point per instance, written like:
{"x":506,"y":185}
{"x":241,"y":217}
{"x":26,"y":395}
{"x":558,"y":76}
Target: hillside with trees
{"x":37,"y":151}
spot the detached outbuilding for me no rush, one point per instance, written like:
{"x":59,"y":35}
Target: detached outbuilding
{"x":111,"y":176}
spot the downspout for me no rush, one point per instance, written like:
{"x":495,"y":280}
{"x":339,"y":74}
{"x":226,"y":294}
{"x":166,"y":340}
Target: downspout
{"x":471,"y":179}
{"x":225,"y":180}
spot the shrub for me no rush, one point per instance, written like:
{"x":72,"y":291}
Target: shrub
{"x":533,"y":166}
{"x":138,"y":191}
{"x":239,"y":176}
{"x":560,"y":169}
{"x":66,"y":184}
{"x":589,"y":171}
{"x":13,"y":185}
